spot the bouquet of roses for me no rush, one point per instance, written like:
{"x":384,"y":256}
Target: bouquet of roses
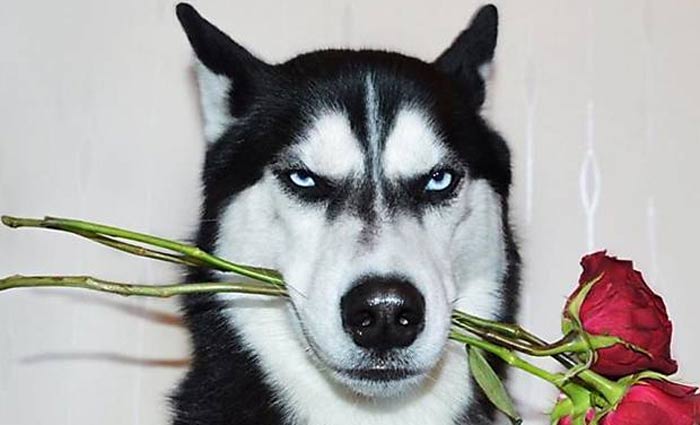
{"x":615,"y":349}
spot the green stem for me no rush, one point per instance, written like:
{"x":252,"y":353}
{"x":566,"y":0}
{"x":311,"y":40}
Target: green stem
{"x":610,"y":390}
{"x":507,"y":329}
{"x":507,"y":356}
{"x":580,"y":395}
{"x":125,"y":289}
{"x":545,"y":350}
{"x":514,"y":332}
{"x":139,"y":250}
{"x":192,"y":252}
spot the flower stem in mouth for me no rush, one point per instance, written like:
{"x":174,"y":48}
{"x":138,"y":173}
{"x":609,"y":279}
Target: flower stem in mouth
{"x":503,"y":340}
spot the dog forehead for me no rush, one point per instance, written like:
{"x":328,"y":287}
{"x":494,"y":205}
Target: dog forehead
{"x":329,"y":147}
{"x":372,"y":131}
{"x":412,"y":146}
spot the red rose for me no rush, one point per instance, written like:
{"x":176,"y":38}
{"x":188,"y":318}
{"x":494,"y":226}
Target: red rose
{"x":655,"y":402}
{"x":620,"y":304}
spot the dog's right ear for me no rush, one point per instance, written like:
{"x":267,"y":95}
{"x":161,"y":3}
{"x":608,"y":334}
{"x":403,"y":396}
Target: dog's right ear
{"x":469,"y":57}
{"x":225,"y":71}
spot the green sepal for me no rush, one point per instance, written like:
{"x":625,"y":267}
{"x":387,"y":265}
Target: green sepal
{"x":577,"y":403}
{"x":604,"y":341}
{"x":491,"y":384}
{"x":630,"y":380}
{"x":627,"y":382}
{"x":571,"y":314}
{"x":582,"y":403}
{"x":567,"y":325}
{"x":597,"y":342}
{"x":562,"y":409}
{"x":586,"y":346}
{"x":583,"y":342}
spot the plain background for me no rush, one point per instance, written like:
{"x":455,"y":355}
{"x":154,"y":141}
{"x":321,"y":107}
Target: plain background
{"x":99,"y":120}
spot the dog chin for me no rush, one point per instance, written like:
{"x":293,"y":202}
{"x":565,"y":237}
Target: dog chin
{"x":380,"y":383}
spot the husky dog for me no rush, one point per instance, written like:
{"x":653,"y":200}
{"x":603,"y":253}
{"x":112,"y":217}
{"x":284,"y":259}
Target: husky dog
{"x":371,"y":182}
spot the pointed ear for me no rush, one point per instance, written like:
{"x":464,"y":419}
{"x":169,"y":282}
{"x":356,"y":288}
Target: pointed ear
{"x":225,"y":71}
{"x":469,"y":57}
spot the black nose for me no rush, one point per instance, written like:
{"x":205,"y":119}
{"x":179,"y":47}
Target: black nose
{"x":381,"y":313}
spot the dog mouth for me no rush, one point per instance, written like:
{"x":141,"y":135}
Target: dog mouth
{"x":379,"y":374}
{"x":382,"y":377}
{"x":379,"y":382}
{"x":379,"y":370}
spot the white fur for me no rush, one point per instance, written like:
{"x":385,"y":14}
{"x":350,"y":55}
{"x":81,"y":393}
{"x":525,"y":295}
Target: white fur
{"x":213,"y":97}
{"x":485,"y":71}
{"x":329,"y":148}
{"x":373,"y":127}
{"x":479,"y":253}
{"x":412,"y":146}
{"x":455,"y":257}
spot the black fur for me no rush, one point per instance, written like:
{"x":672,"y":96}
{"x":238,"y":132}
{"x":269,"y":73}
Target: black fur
{"x":224,"y":386}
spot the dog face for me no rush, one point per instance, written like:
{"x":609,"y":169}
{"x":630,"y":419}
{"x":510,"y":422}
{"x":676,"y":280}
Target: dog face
{"x":370,"y":181}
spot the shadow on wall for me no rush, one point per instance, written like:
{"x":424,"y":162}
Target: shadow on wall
{"x":116,"y":358}
{"x":152,"y":315}
{"x":144,"y":313}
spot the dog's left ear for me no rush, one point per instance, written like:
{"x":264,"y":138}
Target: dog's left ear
{"x":469,"y":57}
{"x":226,"y":72}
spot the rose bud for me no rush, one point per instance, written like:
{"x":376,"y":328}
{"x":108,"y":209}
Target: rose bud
{"x":613,"y":300}
{"x":656,"y":402}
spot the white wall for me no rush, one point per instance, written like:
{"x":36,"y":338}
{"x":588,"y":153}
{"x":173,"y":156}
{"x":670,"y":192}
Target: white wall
{"x":98,"y":119}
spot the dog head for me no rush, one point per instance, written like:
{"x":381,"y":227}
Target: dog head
{"x":370,"y":180}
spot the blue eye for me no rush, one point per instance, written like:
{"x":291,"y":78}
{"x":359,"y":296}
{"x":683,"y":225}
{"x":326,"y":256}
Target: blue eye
{"x":439,"y":181}
{"x":302,"y":178}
